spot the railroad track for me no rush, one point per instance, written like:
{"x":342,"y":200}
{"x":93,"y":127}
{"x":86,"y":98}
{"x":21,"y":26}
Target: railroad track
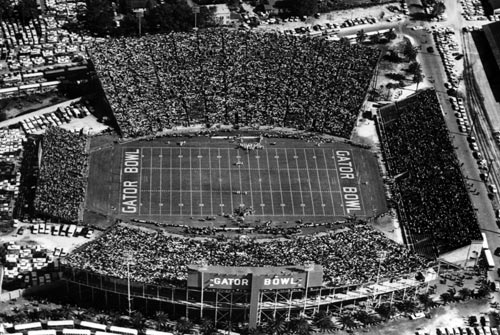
{"x":481,"y":125}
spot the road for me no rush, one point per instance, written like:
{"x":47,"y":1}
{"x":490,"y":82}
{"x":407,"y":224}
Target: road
{"x":477,"y":108}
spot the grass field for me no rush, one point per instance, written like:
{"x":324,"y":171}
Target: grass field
{"x":285,"y":180}
{"x":207,"y":181}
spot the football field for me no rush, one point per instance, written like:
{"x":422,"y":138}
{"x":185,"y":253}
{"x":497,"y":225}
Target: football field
{"x":283,"y":181}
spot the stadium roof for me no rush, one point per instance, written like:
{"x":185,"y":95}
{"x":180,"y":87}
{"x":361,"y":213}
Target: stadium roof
{"x":492,"y":32}
{"x":243,"y":270}
{"x":495,"y":4}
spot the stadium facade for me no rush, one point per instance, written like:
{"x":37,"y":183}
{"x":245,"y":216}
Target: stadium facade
{"x":492,"y":33}
{"x":248,"y":295}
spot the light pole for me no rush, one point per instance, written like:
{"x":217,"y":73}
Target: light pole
{"x":139,"y":13}
{"x":202,"y":268}
{"x":196,"y":11}
{"x":308,"y":267}
{"x":129,"y":259}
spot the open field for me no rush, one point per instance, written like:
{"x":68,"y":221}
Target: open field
{"x":205,"y":177}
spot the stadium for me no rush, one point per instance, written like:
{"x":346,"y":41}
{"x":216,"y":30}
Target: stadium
{"x":236,"y":190}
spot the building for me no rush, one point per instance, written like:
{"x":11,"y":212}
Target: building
{"x":222,"y":14}
{"x":251,"y":295}
{"x":273,"y":7}
{"x":492,"y":32}
{"x":495,"y":6}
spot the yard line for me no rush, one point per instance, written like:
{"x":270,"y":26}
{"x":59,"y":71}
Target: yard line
{"x":222,"y":168}
{"x":140,"y":186}
{"x":319,"y":183}
{"x":338,"y":179}
{"x":250,"y":181}
{"x":210,"y":172}
{"x":195,"y":191}
{"x":309,"y":180}
{"x":220,"y":181}
{"x":180,"y":180}
{"x":359,"y":185}
{"x":270,"y":187}
{"x":289,"y":181}
{"x":279,"y":179}
{"x":161,"y":160}
{"x":329,"y":184}
{"x":150,"y":181}
{"x":170,"y":181}
{"x":260,"y":183}
{"x":201,"y":191}
{"x":300,"y":186}
{"x":239,"y":175}
{"x":230,"y":181}
{"x":191,"y":181}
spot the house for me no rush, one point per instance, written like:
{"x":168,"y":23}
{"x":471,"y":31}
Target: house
{"x":273,"y":7}
{"x":235,"y":18}
{"x":222,"y":14}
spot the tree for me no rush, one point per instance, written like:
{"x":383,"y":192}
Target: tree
{"x":438,"y":9}
{"x":409,"y":50}
{"x":301,"y":7}
{"x":482,"y":291}
{"x":206,"y":18}
{"x":426,"y":301}
{"x":384,"y":310}
{"x":360,"y":36}
{"x":472,"y":321}
{"x":343,"y":40}
{"x":299,"y":326}
{"x":161,"y":319}
{"x":138,"y":321}
{"x":184,"y":325}
{"x":227,"y":326}
{"x":6,"y":9}
{"x":173,"y":15}
{"x":446,"y":298}
{"x":27,"y":10}
{"x":451,"y":291}
{"x":99,"y":17}
{"x":323,"y":321}
{"x":406,"y":306}
{"x":347,"y":321}
{"x":375,"y":38}
{"x":391,"y":34}
{"x":255,"y":331}
{"x":207,"y":327}
{"x":276,"y":327}
{"x":414,"y":68}
{"x":363,"y":317}
{"x":103,"y":319}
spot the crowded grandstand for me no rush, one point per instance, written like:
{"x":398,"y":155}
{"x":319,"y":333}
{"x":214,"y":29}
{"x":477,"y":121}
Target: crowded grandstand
{"x":233,"y":78}
{"x":349,"y":256}
{"x":434,"y":203}
{"x":62,"y":178}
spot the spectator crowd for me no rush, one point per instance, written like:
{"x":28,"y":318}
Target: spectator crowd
{"x":420,"y":156}
{"x":349,"y":256}
{"x":233,"y":77}
{"x":62,"y":178}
